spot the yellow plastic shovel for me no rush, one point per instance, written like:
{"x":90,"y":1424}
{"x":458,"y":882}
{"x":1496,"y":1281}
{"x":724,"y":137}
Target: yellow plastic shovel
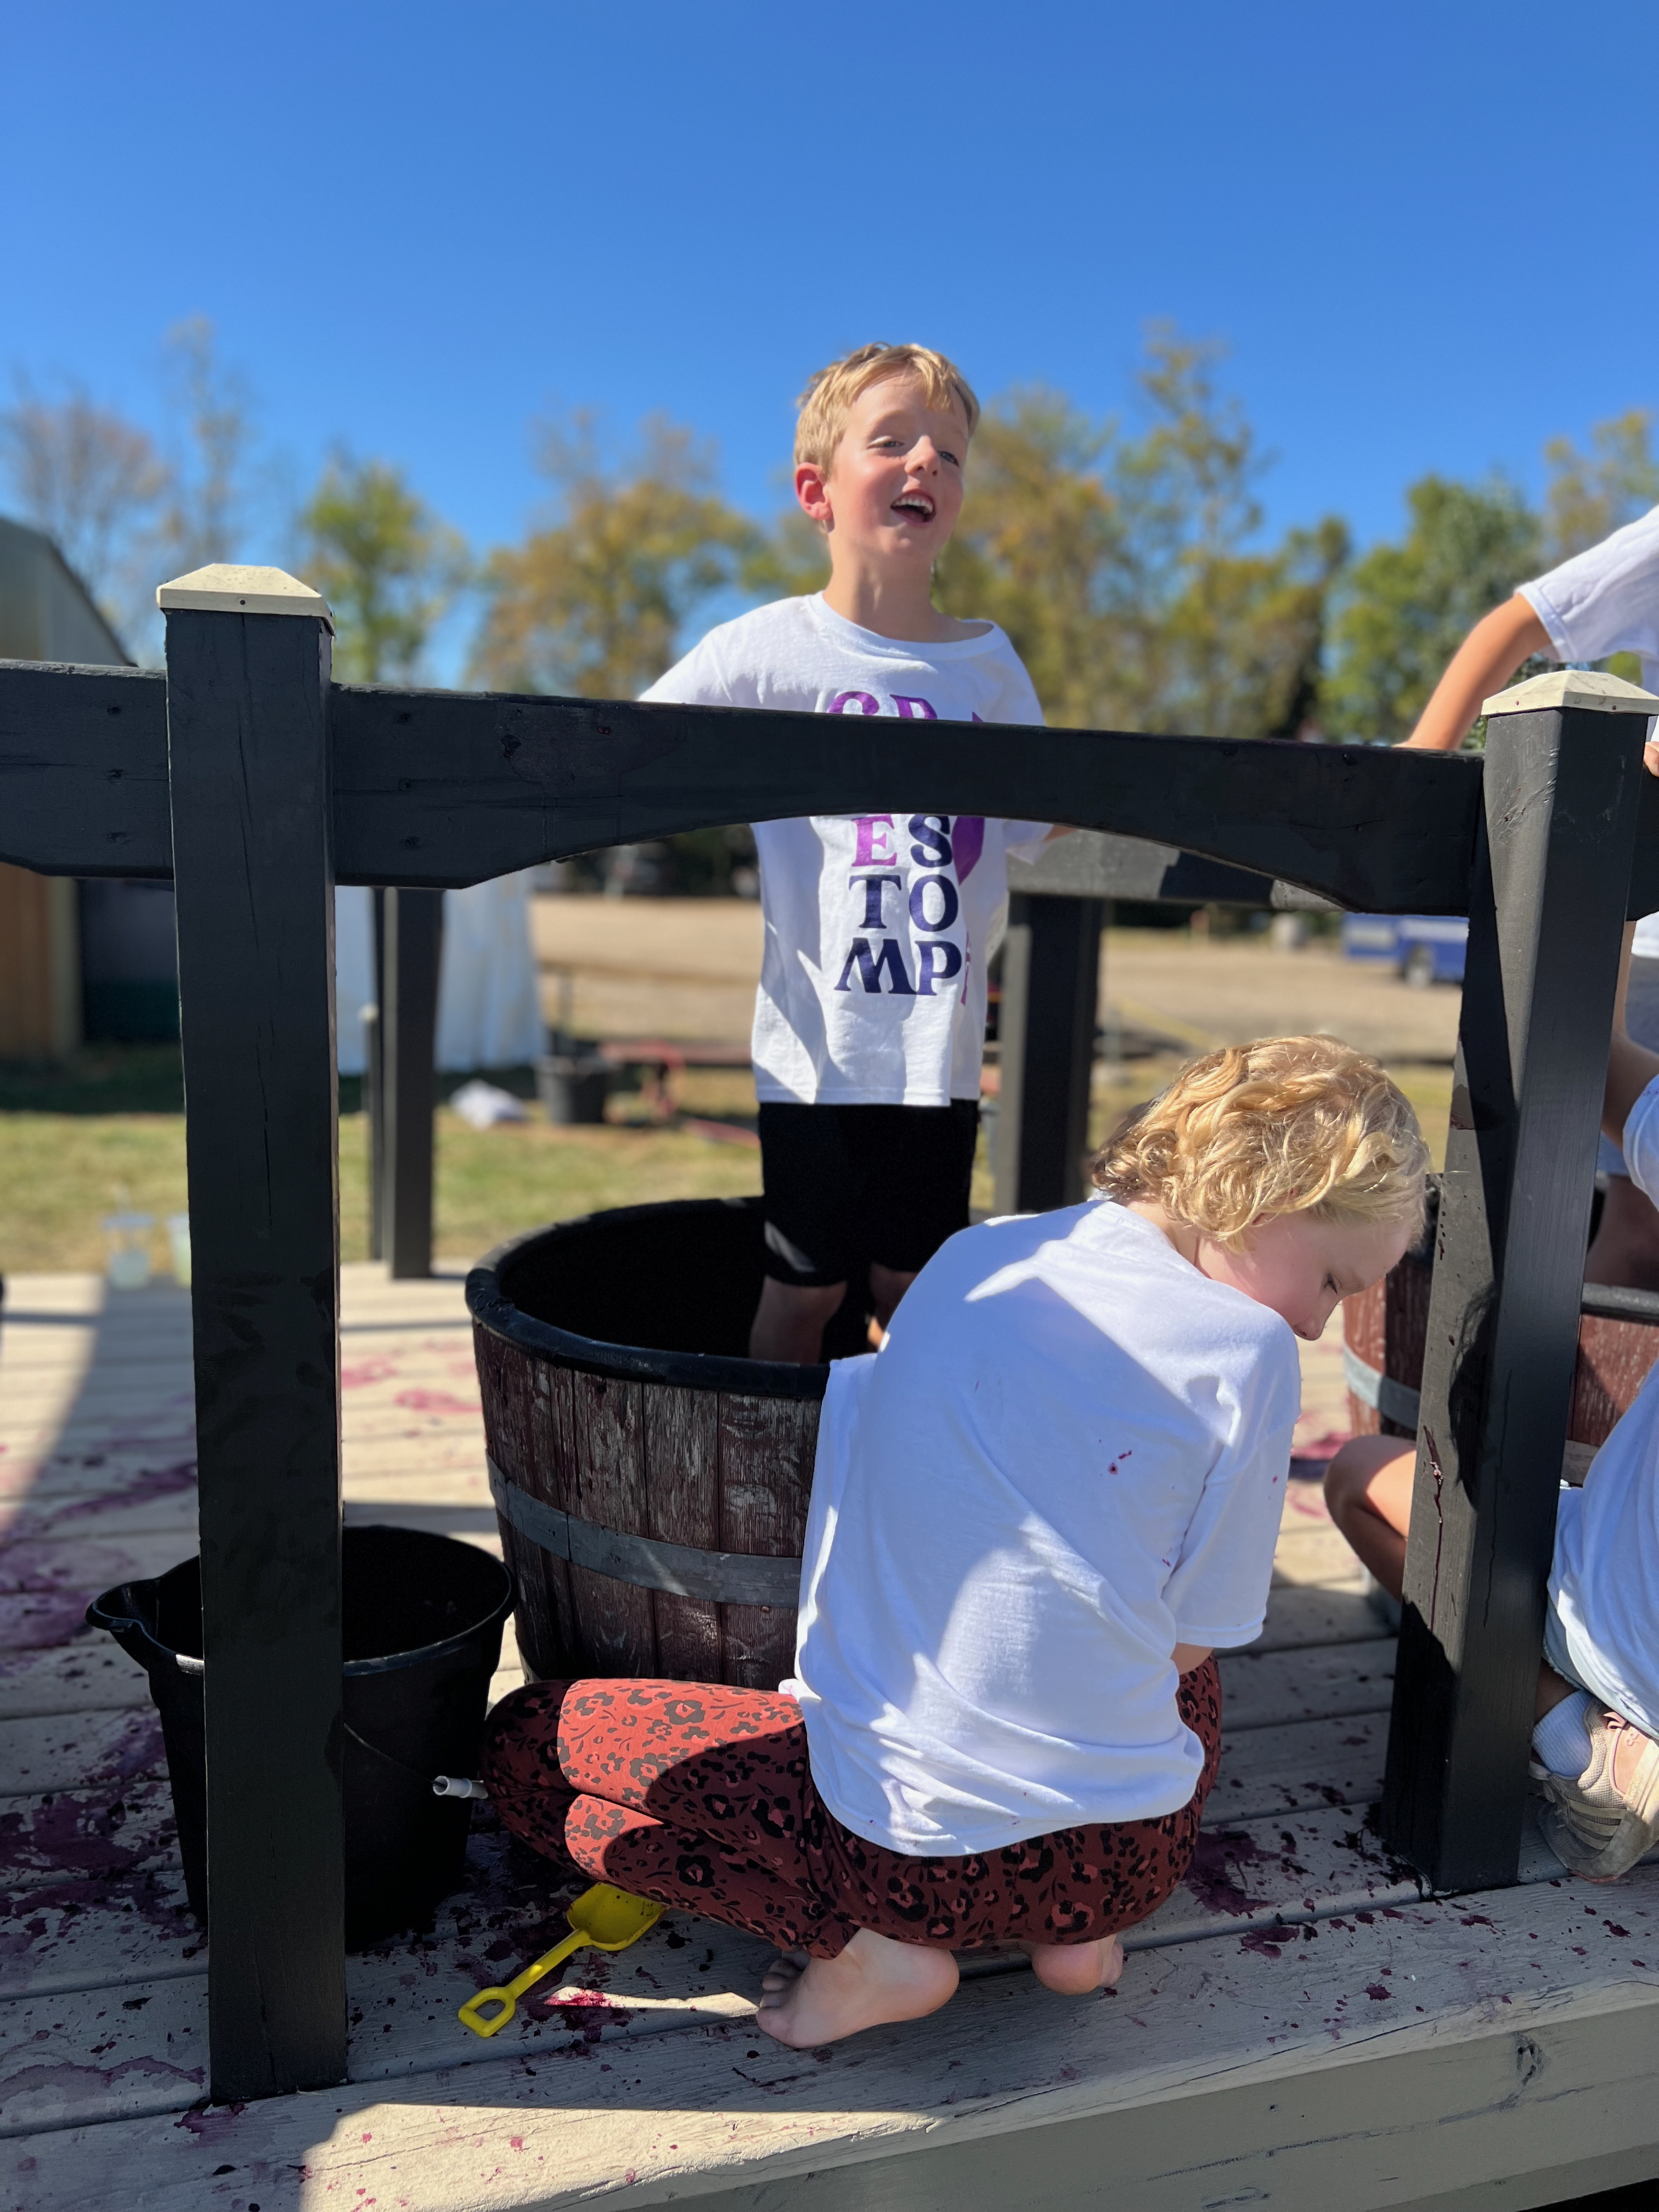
{"x":609,"y":1919}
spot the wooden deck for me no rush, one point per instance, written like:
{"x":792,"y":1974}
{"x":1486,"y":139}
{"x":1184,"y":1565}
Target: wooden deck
{"x":1297,"y":2027}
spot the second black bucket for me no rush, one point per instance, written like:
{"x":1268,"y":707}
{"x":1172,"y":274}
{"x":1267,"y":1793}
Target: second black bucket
{"x":421,"y":1637}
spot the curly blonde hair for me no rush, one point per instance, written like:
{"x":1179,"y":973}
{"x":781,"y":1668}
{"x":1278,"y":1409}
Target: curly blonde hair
{"x":1287,"y":1125}
{"x":825,"y":403}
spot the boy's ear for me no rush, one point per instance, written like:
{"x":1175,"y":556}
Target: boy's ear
{"x":813,"y":491}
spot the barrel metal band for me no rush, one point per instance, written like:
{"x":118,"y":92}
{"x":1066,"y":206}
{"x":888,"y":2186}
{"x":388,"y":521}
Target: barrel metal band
{"x":1395,"y":1401}
{"x":646,"y":1562}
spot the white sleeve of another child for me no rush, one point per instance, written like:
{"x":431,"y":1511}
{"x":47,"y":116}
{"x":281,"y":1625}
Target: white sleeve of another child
{"x":1641,"y":1142}
{"x":699,"y":680}
{"x":1606,"y":600}
{"x":1218,"y":1591}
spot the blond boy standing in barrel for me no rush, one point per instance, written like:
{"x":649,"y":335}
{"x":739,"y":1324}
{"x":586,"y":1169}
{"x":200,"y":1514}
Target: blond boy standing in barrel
{"x":870,"y":1019}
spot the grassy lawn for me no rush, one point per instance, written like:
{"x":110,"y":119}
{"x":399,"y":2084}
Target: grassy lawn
{"x":105,"y":1133}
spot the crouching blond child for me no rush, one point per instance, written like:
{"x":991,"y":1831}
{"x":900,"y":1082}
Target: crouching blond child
{"x":1036,"y":1514}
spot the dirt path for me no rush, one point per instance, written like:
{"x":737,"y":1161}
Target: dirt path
{"x":686,"y":968}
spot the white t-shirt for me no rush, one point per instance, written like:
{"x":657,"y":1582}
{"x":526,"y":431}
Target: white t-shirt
{"x":878,"y":926}
{"x":1604,"y":1582}
{"x":1602,"y":602}
{"x":1069,"y":1456}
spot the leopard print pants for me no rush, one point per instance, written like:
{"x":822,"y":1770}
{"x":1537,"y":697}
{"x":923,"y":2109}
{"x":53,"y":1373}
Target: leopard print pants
{"x":700,"y":1797}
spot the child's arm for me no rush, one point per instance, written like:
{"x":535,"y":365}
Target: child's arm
{"x":1631,"y":1068}
{"x":1188,"y":1656}
{"x":1498,"y":644}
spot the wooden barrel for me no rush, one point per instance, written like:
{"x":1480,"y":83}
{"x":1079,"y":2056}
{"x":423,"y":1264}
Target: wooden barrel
{"x":651,"y":1482}
{"x":1385,"y":1328}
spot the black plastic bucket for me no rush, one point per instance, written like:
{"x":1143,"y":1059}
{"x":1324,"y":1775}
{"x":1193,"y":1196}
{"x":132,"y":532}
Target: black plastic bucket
{"x":422,"y":1636}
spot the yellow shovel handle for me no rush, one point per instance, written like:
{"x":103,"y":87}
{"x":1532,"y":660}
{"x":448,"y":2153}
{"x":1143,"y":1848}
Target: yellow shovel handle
{"x":507,"y":1999}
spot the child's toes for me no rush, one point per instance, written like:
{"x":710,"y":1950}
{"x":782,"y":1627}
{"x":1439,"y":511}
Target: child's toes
{"x":782,"y":1976}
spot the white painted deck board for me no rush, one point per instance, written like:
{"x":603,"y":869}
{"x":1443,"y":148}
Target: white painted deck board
{"x":89,"y":1676}
{"x":1218,"y":2076}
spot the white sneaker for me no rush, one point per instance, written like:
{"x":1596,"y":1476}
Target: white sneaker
{"x":1594,"y":1828}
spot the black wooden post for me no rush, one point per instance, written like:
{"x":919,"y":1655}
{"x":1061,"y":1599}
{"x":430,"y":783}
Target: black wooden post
{"x":1046,"y":1049}
{"x":374,"y":1084}
{"x":413,"y":943}
{"x":248,"y":752}
{"x":1547,"y":902}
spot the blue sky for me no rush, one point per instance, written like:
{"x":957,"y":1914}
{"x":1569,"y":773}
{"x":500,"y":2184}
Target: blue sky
{"x":1426,"y":232}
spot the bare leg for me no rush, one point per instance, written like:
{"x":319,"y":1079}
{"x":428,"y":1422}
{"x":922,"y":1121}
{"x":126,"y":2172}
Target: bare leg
{"x":1368,"y":1488}
{"x":806,"y":2001}
{"x":1625,"y":1253}
{"x":790,"y":1321}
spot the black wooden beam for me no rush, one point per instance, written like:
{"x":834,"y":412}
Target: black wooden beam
{"x":1045,"y":1049}
{"x":374,"y":1084}
{"x":412,"y":943}
{"x":83,"y":770}
{"x":444,"y":789}
{"x":1563,"y":791}
{"x":1095,"y":865}
{"x":248,"y":737}
{"x":431,"y":784}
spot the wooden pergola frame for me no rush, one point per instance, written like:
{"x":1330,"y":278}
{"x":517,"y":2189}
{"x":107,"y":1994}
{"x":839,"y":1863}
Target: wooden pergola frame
{"x":256,"y":785}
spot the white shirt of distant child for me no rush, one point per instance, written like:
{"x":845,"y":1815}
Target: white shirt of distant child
{"x":984,"y":1656}
{"x":1604,"y":1584}
{"x":1603,"y":602}
{"x":877,"y":926}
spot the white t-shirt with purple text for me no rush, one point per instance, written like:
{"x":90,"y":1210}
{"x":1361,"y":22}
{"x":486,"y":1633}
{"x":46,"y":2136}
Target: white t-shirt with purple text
{"x":877,"y":926}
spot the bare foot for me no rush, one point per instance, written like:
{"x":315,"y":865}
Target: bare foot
{"x":806,"y":2001}
{"x":1075,"y":1969}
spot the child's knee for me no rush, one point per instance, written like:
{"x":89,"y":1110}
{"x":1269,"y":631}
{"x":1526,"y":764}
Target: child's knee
{"x":1355,"y":1469}
{"x":518,"y":1749}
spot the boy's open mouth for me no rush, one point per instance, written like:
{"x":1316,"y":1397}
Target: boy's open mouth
{"x":916,"y":503}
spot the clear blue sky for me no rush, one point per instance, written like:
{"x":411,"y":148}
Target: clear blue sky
{"x":1426,"y":231}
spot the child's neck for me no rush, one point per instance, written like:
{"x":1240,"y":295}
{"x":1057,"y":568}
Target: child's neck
{"x":1181,"y":1234}
{"x":899,"y":606}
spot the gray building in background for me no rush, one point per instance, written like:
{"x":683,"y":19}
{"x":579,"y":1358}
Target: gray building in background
{"x":78,"y":962}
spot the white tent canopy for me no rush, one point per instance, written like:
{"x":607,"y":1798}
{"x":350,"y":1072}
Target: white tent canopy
{"x":489,"y":1012}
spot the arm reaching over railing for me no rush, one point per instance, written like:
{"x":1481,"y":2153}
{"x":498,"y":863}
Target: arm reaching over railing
{"x":1488,"y":656}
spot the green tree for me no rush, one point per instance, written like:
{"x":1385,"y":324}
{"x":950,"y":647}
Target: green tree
{"x":593,"y":603}
{"x":1588,"y":495}
{"x":1118,"y":564}
{"x":1406,"y":608}
{"x":385,"y":563}
{"x":1041,"y":548}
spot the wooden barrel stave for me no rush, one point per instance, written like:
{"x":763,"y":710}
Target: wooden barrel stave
{"x":1386,"y":1327}
{"x":635,"y":1452}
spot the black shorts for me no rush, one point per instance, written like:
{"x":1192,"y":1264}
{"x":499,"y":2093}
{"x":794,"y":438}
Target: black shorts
{"x":850,"y":1185}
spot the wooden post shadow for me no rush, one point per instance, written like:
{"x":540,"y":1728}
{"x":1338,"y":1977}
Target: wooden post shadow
{"x":1547,"y":903}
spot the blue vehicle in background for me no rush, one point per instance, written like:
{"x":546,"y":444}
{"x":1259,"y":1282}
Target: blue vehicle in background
{"x":1423,"y":948}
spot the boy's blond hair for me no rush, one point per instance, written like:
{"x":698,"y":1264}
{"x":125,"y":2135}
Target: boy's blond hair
{"x":823,"y":405}
{"x":1287,"y":1125}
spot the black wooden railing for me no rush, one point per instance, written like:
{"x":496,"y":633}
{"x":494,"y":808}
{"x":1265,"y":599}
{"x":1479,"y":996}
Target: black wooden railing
{"x":256,"y":784}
